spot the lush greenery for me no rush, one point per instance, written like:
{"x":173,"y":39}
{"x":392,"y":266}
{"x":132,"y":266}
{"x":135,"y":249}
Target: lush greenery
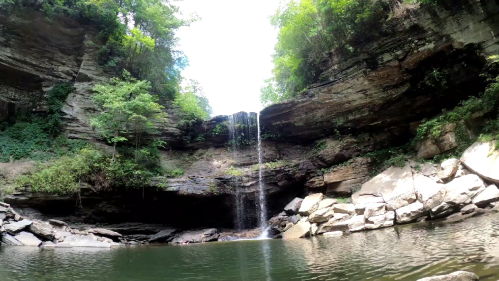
{"x":313,"y":32}
{"x":193,"y":102}
{"x":66,"y":174}
{"x":28,"y":136}
{"x":126,"y":108}
{"x":308,"y":31}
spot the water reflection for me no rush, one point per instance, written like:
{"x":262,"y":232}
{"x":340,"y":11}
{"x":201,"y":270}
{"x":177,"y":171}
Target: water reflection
{"x":401,"y":253}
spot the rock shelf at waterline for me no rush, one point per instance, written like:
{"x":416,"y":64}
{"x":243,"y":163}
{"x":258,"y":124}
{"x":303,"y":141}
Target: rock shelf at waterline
{"x":413,"y":193}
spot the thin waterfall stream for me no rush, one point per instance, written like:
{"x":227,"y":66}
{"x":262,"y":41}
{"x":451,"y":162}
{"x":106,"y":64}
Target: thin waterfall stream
{"x":244,"y":133}
{"x":261,"y":187}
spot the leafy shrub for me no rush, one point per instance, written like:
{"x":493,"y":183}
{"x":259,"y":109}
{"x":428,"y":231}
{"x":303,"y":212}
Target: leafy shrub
{"x":65,"y":175}
{"x":234,"y":172}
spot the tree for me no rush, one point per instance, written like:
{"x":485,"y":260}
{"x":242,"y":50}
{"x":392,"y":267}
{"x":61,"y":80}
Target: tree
{"x":193,"y":101}
{"x":127,"y":109}
{"x":309,"y":30}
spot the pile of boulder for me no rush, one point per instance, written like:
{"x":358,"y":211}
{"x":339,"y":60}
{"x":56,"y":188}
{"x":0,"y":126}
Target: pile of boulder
{"x":455,"y":190}
{"x":15,"y":230}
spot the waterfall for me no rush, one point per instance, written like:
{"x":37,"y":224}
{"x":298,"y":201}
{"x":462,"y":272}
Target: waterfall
{"x":261,"y":188}
{"x":244,"y":131}
{"x":239,"y":202}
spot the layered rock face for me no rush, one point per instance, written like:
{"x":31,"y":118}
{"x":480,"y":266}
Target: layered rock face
{"x":389,"y":82}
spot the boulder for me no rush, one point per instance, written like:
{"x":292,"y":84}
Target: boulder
{"x":490,"y":194}
{"x":360,"y":208}
{"x":87,"y":241}
{"x":310,"y":204}
{"x":43,"y":230}
{"x":356,"y":223}
{"x":57,"y":223}
{"x":389,"y":219}
{"x":344,"y":208}
{"x":375,"y":222}
{"x":293,"y":206}
{"x":394,"y":186}
{"x":442,"y":210}
{"x":448,"y":169}
{"x":61,"y":235}
{"x":468,"y":209}
{"x":197,"y":236}
{"x":462,"y":171}
{"x":425,"y":189}
{"x":455,"y":276}
{"x":331,"y":224}
{"x":3,"y":209}
{"x":461,"y":190}
{"x":288,"y":226}
{"x":162,"y":236}
{"x":326,"y":203}
{"x":374,"y":209}
{"x":483,"y":159}
{"x":9,"y":240}
{"x":299,"y":230}
{"x":5,"y":205}
{"x":16,"y":227}
{"x":104,"y":232}
{"x":28,"y":239}
{"x":334,"y":234}
{"x":410,"y":212}
{"x":321,"y":215}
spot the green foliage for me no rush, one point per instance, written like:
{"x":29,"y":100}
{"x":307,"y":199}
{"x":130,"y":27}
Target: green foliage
{"x":308,"y":31}
{"x":126,"y":108}
{"x":139,"y":36}
{"x":37,"y":138}
{"x":319,"y":145}
{"x":220,"y":129}
{"x":234,"y":172}
{"x":193,"y":102}
{"x":66,"y":174}
{"x":342,"y":200}
{"x":485,"y":102}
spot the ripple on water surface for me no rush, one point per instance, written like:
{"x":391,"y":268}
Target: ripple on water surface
{"x":401,"y":253}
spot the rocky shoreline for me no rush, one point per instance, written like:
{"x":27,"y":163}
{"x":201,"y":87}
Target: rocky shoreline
{"x":401,"y":195}
{"x":15,"y":230}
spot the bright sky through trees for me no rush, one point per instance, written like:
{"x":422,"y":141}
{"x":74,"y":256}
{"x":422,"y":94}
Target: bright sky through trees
{"x":229,"y":50}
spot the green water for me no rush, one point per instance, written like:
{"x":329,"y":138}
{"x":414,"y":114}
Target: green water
{"x":402,"y":253}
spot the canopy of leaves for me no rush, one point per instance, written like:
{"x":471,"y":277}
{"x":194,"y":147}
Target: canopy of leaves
{"x":193,"y":101}
{"x":309,"y":30}
{"x":126,"y":108}
{"x":139,"y":35}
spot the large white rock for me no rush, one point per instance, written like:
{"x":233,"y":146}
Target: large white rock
{"x":334,"y":234}
{"x":85,"y":241}
{"x":357,"y":223}
{"x":490,"y":194}
{"x":293,"y":206}
{"x":326,"y":203}
{"x":42,"y":229}
{"x":426,"y":188}
{"x":483,"y":159}
{"x":455,"y":276}
{"x":15,"y":227}
{"x":9,"y":240}
{"x":461,"y":190}
{"x":448,"y":168}
{"x":344,"y":208}
{"x":321,"y":215}
{"x":409,"y":212}
{"x":28,"y":239}
{"x":299,"y":230}
{"x":332,"y":224}
{"x":394,"y":186}
{"x":375,"y":222}
{"x":310,"y":204}
{"x":374,"y":209}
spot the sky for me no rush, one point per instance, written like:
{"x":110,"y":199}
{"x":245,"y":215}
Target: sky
{"x":229,"y":50}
